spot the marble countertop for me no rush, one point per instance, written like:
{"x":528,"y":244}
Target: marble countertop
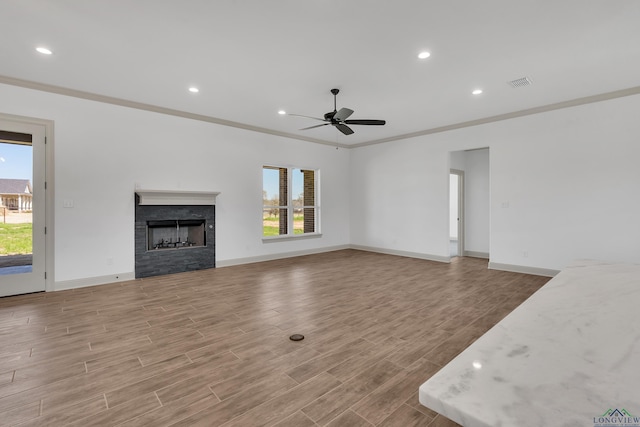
{"x":568,"y":356}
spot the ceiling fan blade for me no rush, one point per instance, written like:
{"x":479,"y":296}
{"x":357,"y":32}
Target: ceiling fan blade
{"x":316,"y":126}
{"x":308,"y":117}
{"x":344,"y":129}
{"x":365,"y":122}
{"x":342,"y":114}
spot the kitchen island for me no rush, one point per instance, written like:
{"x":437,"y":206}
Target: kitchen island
{"x":568,"y":356}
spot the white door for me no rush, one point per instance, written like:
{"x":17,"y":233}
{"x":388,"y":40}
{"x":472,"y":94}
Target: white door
{"x":456,"y":213}
{"x":22,"y":210}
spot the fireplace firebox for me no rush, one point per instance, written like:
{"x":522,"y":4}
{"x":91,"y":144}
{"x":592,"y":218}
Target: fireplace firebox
{"x":175,"y":234}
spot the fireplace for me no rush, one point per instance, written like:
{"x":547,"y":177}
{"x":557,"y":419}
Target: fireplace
{"x":174,"y":232}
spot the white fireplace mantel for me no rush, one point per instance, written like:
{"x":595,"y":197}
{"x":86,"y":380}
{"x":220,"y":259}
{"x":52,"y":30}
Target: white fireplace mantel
{"x":176,"y":197}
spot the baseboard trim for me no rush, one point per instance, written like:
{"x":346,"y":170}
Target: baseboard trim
{"x":418,"y":255}
{"x":476,"y":254}
{"x":536,"y":271}
{"x":123,"y":277}
{"x":93,"y":281}
{"x":272,"y":257}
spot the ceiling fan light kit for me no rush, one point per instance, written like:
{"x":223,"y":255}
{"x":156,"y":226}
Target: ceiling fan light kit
{"x":339,"y":118}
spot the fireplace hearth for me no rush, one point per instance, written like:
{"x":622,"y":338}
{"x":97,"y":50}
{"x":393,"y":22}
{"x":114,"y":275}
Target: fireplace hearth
{"x":173,"y":238}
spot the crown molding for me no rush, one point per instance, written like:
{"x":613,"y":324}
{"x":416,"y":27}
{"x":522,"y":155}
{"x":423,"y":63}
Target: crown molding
{"x":210,"y":119}
{"x":521,"y":113}
{"x":156,"y":109}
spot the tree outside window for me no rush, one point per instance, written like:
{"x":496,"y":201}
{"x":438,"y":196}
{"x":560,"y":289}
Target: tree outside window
{"x":289,"y":201}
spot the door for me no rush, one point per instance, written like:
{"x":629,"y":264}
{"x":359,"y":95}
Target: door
{"x":22,"y":207}
{"x":456,"y":213}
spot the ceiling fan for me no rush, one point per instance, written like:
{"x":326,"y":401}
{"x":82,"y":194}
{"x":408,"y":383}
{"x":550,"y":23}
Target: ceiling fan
{"x":339,"y":118}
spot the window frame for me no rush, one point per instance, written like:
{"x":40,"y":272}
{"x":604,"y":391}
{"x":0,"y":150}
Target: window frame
{"x":290,"y":205}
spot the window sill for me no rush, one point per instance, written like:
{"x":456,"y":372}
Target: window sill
{"x":285,"y":238}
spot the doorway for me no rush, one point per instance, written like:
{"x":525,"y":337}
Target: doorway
{"x":469,"y":200}
{"x":456,"y":213}
{"x":22,"y":207}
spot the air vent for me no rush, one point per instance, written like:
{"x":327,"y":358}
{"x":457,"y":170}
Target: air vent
{"x":524,"y":81}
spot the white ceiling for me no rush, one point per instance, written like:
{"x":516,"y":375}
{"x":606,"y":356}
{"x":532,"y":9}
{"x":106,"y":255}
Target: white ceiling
{"x":251,"y":58}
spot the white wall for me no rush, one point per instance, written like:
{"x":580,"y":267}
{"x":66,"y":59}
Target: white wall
{"x":571,"y":182}
{"x":570,"y":178}
{"x":400,"y":197}
{"x":457,"y":160}
{"x":102,"y":151}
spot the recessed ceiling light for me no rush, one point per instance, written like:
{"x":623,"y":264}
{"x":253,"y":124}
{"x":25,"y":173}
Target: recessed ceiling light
{"x":424,"y":55}
{"x":44,"y":50}
{"x":477,"y":91}
{"x":282,"y":112}
{"x":193,"y":89}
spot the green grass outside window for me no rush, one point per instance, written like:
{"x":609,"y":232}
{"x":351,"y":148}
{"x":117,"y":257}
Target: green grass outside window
{"x":16,"y":239}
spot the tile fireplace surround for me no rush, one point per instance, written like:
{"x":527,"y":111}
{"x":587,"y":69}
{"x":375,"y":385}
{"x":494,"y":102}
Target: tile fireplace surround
{"x":155,"y":205}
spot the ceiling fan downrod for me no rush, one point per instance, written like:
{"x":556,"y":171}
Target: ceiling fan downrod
{"x":335,"y":92}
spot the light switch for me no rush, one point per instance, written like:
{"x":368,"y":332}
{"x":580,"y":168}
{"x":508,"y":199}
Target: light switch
{"x":67,"y":203}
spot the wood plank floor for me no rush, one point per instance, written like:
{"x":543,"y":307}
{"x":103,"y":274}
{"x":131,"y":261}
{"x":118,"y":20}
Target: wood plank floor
{"x":211,"y":348}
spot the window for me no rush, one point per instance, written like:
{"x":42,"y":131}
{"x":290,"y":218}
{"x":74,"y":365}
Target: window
{"x":289,"y":202}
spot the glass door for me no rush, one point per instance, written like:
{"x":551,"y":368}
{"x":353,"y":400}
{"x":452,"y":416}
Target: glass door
{"x":22,"y":208}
